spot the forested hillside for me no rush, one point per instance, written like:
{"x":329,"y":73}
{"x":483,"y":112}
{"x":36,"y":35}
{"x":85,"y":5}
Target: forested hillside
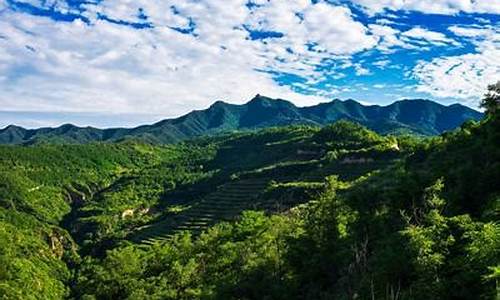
{"x":297,"y":212}
{"x":422,"y":117}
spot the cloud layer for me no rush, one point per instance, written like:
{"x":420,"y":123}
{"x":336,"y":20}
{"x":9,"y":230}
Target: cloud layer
{"x":169,"y":57}
{"x":463,"y":76}
{"x":432,"y":6}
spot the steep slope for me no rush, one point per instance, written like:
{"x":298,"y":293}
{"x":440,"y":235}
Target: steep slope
{"x":401,"y":213}
{"x":408,"y":116}
{"x":424,"y":227}
{"x":417,"y":116}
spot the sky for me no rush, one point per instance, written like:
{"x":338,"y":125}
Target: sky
{"x":108,"y":63}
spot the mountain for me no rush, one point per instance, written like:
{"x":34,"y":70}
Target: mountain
{"x":291,"y":212}
{"x":418,"y":116}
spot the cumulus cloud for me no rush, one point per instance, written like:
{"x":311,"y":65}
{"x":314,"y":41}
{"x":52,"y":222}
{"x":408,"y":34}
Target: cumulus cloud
{"x":334,"y":29}
{"x":107,"y":64}
{"x":389,"y":38}
{"x":424,"y":36}
{"x":171,"y":56}
{"x":361,"y":71}
{"x":416,"y":38}
{"x":476,"y":32}
{"x":312,"y":33}
{"x":447,"y":7}
{"x":463,"y":76}
{"x":382,"y":64}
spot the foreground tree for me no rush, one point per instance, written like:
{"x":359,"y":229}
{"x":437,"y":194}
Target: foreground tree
{"x":491,"y":101}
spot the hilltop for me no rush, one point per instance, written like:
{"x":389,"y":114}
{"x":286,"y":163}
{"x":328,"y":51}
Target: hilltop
{"x":289,"y":212}
{"x":423,"y":117}
{"x":294,"y":212}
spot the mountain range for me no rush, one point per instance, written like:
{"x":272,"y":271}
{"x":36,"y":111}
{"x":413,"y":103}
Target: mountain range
{"x":418,"y":116}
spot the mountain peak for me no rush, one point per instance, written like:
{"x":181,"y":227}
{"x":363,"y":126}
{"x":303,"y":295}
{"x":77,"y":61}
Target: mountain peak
{"x":12,"y":127}
{"x":218,"y":103}
{"x":264,"y":101}
{"x":412,"y":115}
{"x":259,"y":99}
{"x":67,"y":125}
{"x":417,"y":100}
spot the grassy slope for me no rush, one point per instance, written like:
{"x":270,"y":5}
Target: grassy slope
{"x":187,"y":186}
{"x":418,"y":229}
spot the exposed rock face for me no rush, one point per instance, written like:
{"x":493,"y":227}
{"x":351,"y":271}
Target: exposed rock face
{"x":56,"y":245}
{"x":395,"y":146}
{"x":60,"y":242}
{"x":131,"y":212}
{"x":144,"y":211}
{"x":127,"y":213}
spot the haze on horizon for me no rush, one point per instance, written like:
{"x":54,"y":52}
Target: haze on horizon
{"x":108,"y":63}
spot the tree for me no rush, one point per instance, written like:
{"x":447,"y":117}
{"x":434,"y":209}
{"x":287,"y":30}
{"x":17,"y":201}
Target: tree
{"x":428,"y":244}
{"x":491,"y":101}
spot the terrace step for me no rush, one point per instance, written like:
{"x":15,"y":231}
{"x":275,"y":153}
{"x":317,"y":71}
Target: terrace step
{"x":226,"y":203}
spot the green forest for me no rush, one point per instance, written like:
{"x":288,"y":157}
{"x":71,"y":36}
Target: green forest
{"x":292,"y":212}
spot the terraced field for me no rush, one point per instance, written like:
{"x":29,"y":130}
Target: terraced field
{"x":230,"y":199}
{"x":226,"y":203}
{"x":346,"y":172}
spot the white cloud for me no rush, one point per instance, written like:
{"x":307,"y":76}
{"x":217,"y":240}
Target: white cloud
{"x":425,"y":36}
{"x":77,"y":67}
{"x":463,"y":76}
{"x":416,"y":38}
{"x":447,"y":7}
{"x":385,"y":21}
{"x":382,"y":64}
{"x":475,"y":32}
{"x":46,"y":65}
{"x":329,"y":30}
{"x":361,"y":71}
{"x":389,"y":38}
{"x":335,"y":30}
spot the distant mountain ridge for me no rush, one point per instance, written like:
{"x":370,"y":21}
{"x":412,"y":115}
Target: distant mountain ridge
{"x":417,"y":116}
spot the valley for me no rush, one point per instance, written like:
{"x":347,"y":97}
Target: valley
{"x":250,"y":214}
{"x":249,"y":150}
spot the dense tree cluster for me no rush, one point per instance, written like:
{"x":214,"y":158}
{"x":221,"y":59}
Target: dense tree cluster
{"x":491,"y":101}
{"x":361,"y":216}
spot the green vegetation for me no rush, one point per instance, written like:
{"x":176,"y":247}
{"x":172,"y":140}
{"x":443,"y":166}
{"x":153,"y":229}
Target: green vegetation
{"x":422,"y":117}
{"x":296,"y":212}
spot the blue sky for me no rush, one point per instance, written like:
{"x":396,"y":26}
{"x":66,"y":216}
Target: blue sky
{"x":123,"y":63}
